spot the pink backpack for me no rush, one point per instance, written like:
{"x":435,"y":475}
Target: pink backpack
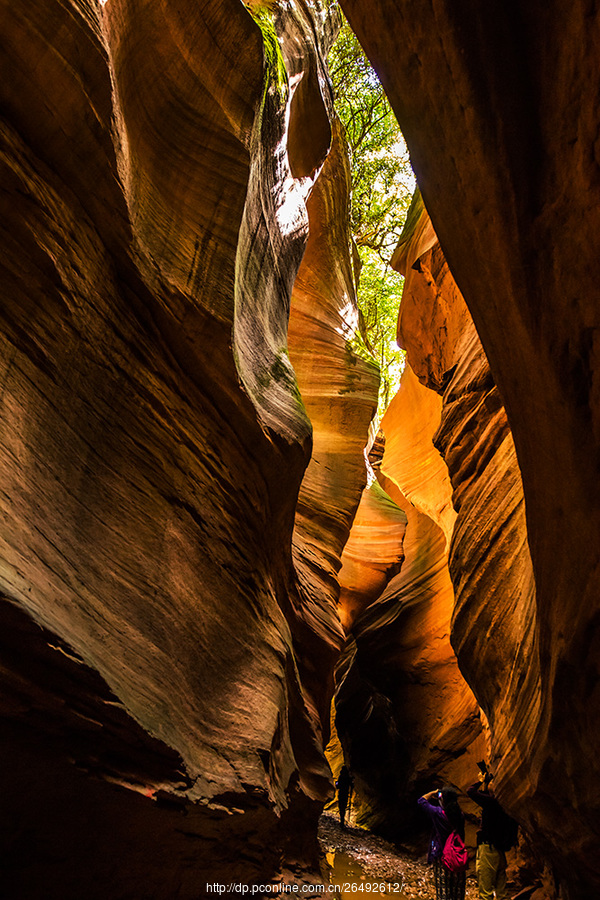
{"x":454,"y":854}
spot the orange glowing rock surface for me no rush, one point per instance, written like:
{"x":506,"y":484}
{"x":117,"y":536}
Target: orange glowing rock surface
{"x":507,"y":164}
{"x":156,"y":163}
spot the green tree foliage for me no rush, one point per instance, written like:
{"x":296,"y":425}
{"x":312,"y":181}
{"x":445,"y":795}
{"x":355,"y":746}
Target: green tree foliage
{"x":382,"y":186}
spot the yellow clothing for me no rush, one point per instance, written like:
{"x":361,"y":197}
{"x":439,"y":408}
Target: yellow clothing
{"x":490,"y":867}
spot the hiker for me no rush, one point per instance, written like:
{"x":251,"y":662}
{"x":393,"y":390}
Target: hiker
{"x":344,"y":786}
{"x":498,"y":833}
{"x":448,"y":822}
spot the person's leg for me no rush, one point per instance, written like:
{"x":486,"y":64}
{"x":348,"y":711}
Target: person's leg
{"x":438,"y":877}
{"x":456,"y":885}
{"x":486,"y":867}
{"x":501,"y":890}
{"x":342,"y":803}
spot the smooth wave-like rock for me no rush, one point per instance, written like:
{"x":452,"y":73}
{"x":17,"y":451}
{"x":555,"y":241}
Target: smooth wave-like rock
{"x":364,"y":719}
{"x":494,"y":615}
{"x":501,"y":120}
{"x":159,"y":717}
{"x":404,"y":711}
{"x":172,"y":195}
{"x":373,"y":555}
{"x":339,"y":389}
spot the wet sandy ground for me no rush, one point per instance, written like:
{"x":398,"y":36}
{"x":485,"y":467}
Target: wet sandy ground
{"x":356,"y":857}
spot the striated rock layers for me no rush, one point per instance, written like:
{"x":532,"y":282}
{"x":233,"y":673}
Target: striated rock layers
{"x":165,"y":672}
{"x":404,"y":711}
{"x":500,"y":114}
{"x":493,"y":623}
{"x":339,"y":390}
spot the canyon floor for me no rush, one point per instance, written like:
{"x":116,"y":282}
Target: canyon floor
{"x":358,"y":861}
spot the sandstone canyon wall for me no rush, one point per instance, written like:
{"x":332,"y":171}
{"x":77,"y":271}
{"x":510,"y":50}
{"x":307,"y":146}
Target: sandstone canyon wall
{"x":403,"y":710}
{"x":166,"y":667}
{"x":493,"y":614}
{"x":502,"y":123}
{"x":184,"y":419}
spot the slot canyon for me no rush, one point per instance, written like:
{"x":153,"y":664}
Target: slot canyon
{"x":207,"y":537}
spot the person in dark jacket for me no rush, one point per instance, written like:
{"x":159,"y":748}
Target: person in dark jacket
{"x":344,"y":786}
{"x":497,"y":835}
{"x":441,"y":806}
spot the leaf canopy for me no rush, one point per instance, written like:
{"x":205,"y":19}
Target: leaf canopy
{"x":382,"y":187}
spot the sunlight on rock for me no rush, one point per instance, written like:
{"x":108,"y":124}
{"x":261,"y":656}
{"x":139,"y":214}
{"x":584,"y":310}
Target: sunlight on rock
{"x":299,"y":461}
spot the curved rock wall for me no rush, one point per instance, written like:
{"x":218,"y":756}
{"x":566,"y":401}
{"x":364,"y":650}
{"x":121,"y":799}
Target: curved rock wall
{"x":167,"y":577}
{"x":161,"y":716}
{"x":498,"y":109}
{"x":489,"y":555}
{"x":404,"y":711}
{"x":364,"y":717}
{"x":494,"y":618}
{"x":340,"y":392}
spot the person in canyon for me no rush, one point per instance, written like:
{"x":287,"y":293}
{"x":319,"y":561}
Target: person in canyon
{"x":446,"y":816}
{"x":498,"y":834}
{"x":344,"y":785}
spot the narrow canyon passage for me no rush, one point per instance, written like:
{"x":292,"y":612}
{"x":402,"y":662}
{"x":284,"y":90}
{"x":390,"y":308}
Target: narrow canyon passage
{"x":237,"y":550}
